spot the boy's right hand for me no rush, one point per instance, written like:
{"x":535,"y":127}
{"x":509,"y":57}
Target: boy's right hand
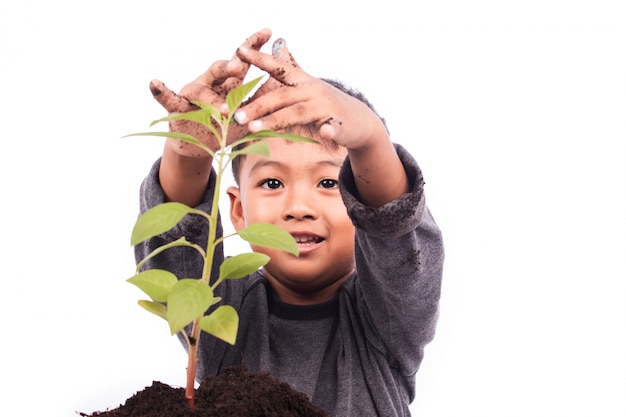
{"x":210,"y":87}
{"x":185,"y":169}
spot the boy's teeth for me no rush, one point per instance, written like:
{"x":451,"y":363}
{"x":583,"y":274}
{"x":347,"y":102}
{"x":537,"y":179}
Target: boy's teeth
{"x":306,"y":239}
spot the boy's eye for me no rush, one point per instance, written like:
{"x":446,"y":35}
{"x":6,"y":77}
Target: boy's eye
{"x":329,"y":183}
{"x":271,"y":183}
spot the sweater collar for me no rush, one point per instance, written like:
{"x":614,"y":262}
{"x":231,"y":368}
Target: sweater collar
{"x":288,"y":311}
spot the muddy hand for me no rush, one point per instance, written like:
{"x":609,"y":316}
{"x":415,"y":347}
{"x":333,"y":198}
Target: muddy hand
{"x":302,"y":100}
{"x":210,"y":87}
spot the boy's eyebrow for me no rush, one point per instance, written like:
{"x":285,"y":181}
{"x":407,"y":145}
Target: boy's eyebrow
{"x":262,"y":163}
{"x":270,"y":163}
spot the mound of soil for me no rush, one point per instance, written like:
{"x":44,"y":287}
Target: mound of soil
{"x":235,"y":392}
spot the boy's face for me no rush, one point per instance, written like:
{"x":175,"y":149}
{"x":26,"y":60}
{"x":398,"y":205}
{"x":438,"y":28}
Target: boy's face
{"x":296,"y":188}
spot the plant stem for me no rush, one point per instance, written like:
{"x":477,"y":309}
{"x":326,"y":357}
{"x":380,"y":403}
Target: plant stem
{"x":194,"y":339}
{"x":192,"y":362}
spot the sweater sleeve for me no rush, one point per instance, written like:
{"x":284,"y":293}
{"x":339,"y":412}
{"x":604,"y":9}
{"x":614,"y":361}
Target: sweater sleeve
{"x":183,"y":262}
{"x":399,"y":263}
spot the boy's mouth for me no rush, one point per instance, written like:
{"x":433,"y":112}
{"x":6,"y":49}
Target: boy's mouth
{"x":306,"y":241}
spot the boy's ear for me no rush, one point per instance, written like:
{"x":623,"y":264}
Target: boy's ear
{"x":236,"y":208}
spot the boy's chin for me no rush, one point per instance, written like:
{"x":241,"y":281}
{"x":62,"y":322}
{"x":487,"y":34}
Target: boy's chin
{"x":306,"y":284}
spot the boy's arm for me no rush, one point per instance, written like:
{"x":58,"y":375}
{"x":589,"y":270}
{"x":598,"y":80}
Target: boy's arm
{"x":379,"y":175}
{"x":399,"y":255}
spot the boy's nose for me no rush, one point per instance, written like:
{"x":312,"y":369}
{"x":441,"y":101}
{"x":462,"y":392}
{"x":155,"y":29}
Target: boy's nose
{"x":300,"y":205}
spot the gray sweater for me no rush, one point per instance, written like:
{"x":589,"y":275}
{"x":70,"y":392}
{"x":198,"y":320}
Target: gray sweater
{"x":355,"y":355}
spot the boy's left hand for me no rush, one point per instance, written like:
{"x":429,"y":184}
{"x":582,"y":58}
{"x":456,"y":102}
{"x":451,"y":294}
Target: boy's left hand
{"x":303,"y":99}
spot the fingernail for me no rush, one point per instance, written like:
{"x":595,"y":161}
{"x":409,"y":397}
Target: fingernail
{"x":243,"y":49}
{"x":256,"y":125}
{"x":154,"y":90}
{"x":240,"y":117}
{"x":278,"y":45}
{"x":328,"y":131}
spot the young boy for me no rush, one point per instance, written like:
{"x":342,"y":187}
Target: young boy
{"x":346,"y":322}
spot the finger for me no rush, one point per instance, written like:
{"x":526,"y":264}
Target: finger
{"x":170,"y":101}
{"x":279,"y":50}
{"x":330,"y":129}
{"x":209,"y":87}
{"x":218,"y":73}
{"x":254,"y":42}
{"x":327,"y":129}
{"x":298,"y":113}
{"x":224,"y":75}
{"x":197,"y":92}
{"x":276,"y":67}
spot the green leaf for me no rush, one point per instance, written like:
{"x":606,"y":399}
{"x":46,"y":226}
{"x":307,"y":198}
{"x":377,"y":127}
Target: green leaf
{"x":222,"y":323}
{"x":202,"y":116}
{"x":239,"y":266}
{"x":157,"y":220}
{"x":156,"y":283}
{"x":154,"y":308}
{"x":188,"y":300}
{"x":270,"y":236}
{"x":176,"y":135}
{"x":258,"y":148}
{"x":213,"y":111}
{"x":236,"y":96}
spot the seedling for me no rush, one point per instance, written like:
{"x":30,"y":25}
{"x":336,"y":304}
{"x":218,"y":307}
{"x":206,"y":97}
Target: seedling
{"x":184,"y":301}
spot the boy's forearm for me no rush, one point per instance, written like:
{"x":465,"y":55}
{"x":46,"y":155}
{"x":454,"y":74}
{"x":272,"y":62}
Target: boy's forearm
{"x":378,"y":173}
{"x":183,"y":175}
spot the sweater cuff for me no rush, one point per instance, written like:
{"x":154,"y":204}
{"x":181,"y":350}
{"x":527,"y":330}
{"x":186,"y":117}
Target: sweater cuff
{"x":395,"y":218}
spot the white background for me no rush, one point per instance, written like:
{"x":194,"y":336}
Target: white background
{"x":516,"y":111}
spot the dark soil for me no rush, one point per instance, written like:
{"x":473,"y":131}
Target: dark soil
{"x":236,"y":392}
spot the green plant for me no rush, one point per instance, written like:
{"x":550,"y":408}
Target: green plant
{"x":184,"y":301}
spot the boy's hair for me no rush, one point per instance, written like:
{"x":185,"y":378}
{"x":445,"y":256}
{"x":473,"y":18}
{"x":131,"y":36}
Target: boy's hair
{"x":310,"y":128}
